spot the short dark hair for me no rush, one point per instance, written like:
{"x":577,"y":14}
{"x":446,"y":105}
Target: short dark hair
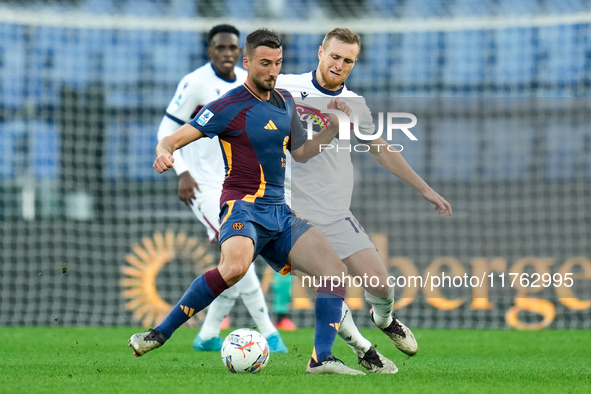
{"x":221,"y":29}
{"x":261,"y":37}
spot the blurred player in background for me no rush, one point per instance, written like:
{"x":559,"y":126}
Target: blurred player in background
{"x":200,"y":168}
{"x":323,"y":187}
{"x":281,"y":301}
{"x":257,"y":125}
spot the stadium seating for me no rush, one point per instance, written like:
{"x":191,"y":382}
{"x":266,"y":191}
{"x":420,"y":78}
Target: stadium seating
{"x":142,"y":140}
{"x":130,"y":150}
{"x":465,"y":58}
{"x":470,"y":8}
{"x":45,"y":150}
{"x":387,"y":8}
{"x":122,"y":70}
{"x":300,"y":50}
{"x":11,"y":132}
{"x":239,"y":10}
{"x":305,"y":9}
{"x":417,"y":64}
{"x":515,"y":58}
{"x":515,"y":8}
{"x":424,"y":9}
{"x":563,"y":55}
{"x":170,"y":59}
{"x":142,"y":8}
{"x":182,"y":8}
{"x":43,"y":75}
{"x":17,"y":160}
{"x":99,"y":7}
{"x":299,"y":9}
{"x":78,"y":55}
{"x":13,"y":88}
{"x":372,"y":70}
{"x":564,"y":7}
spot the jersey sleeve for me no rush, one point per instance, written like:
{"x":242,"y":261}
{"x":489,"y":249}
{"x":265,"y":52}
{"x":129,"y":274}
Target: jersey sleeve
{"x":366,"y":125}
{"x":211,"y":122}
{"x":186,"y":98}
{"x":167,"y":127}
{"x":179,"y":111}
{"x":298,"y":135}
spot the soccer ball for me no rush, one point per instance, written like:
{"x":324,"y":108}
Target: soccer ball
{"x":245,"y":351}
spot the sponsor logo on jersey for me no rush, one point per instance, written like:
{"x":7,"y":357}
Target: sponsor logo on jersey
{"x":304,"y":95}
{"x":270,"y":126}
{"x":238,"y":226}
{"x":205,"y":117}
{"x":312,"y":116}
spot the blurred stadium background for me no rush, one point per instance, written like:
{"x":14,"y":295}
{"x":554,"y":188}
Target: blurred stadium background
{"x":500,"y":87}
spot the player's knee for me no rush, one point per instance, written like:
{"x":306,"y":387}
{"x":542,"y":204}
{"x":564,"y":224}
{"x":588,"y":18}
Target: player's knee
{"x":233,"y":267}
{"x":379,"y":281}
{"x":344,"y":268}
{"x":371,"y":294}
{"x":232,"y":273}
{"x":379,"y":291}
{"x":337,"y":268}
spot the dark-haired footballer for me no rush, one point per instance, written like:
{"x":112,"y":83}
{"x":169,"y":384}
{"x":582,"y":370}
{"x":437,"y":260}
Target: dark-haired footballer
{"x":256,"y":125}
{"x":200,"y":169}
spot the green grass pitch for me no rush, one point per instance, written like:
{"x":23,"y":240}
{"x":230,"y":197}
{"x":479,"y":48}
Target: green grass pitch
{"x":97,"y":360}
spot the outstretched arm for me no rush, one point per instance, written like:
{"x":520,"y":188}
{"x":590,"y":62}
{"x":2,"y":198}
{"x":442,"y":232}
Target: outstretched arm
{"x":397,"y":165}
{"x":167,"y":145}
{"x":166,"y":128}
{"x":314,"y":146}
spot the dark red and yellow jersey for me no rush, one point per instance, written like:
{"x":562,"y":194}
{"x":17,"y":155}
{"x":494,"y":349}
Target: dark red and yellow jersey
{"x":255,"y":136}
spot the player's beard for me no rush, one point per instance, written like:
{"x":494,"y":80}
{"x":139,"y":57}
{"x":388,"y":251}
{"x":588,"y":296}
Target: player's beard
{"x":333,"y":81}
{"x":265,"y":85}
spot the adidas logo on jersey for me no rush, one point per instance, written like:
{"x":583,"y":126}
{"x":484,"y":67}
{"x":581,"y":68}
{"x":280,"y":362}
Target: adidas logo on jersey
{"x":270,"y":126}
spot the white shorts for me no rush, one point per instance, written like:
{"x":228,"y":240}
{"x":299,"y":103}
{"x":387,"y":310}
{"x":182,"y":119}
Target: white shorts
{"x":346,"y":236}
{"x":206,"y":207}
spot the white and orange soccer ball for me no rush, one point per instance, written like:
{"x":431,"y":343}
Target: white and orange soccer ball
{"x":245,"y":351}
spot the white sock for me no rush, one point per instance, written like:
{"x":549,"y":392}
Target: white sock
{"x":350,"y":334}
{"x":217,"y":311}
{"x":252,"y":295}
{"x":382,"y":309}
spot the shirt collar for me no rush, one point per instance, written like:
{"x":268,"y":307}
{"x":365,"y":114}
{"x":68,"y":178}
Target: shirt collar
{"x":222,"y":78}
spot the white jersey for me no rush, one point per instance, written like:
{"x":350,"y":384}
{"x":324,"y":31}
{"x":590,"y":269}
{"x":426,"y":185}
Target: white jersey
{"x":203,"y":159}
{"x":322,"y":188}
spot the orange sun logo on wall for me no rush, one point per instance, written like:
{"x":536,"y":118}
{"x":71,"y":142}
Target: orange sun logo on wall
{"x":140,"y":274}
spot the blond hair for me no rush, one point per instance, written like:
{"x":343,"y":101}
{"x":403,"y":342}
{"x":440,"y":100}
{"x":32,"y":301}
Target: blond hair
{"x":342,"y":34}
